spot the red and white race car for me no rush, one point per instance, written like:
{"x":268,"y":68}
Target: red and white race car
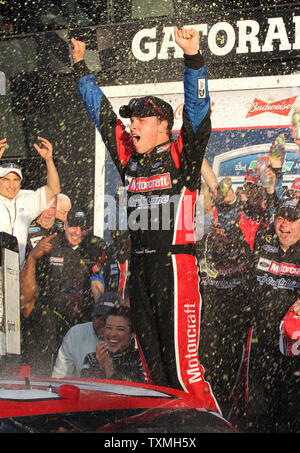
{"x":99,"y":406}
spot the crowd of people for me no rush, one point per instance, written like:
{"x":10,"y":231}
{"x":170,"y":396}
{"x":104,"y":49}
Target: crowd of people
{"x":216,"y":315}
{"x":249,"y":268}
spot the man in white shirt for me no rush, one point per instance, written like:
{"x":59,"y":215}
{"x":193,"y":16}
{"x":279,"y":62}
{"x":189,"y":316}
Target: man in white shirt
{"x":82,"y":339}
{"x":19,"y":207}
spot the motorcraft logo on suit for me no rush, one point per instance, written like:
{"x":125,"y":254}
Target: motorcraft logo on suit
{"x":284,"y":268}
{"x":156,"y":182}
{"x":278,"y":268}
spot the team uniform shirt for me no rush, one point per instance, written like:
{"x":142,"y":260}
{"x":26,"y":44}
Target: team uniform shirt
{"x":162,"y":189}
{"x":223,"y":267}
{"x":275,"y":282}
{"x":79,"y":341}
{"x":18,"y":213}
{"x":63,"y":279}
{"x":66,"y":263}
{"x":127,"y":366}
{"x":224,"y":275}
{"x":224,"y":270}
{"x":273,"y":377}
{"x":36,"y":232}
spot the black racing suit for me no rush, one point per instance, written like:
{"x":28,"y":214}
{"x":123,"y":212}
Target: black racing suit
{"x":224,"y":272}
{"x":162,"y":188}
{"x":274,"y":395}
{"x":127,"y":366}
{"x":225,"y":267}
{"x":36,"y":233}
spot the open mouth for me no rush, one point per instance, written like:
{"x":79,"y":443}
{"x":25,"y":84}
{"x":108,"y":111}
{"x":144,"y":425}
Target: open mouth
{"x":112,"y":343}
{"x":136,"y":138}
{"x":284,"y":233}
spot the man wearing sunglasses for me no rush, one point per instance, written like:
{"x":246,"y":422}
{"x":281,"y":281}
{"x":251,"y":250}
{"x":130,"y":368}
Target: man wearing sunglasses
{"x":162,"y":179}
{"x":19,"y":207}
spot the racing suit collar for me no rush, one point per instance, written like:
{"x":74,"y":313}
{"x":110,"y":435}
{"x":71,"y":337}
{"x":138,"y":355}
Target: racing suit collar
{"x":294,"y":248}
{"x":162,"y":147}
{"x":157,"y":149}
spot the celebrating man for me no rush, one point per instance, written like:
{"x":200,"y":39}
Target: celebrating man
{"x":162,"y":178}
{"x":19,"y":207}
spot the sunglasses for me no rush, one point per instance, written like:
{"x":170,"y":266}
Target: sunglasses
{"x":10,"y":165}
{"x":142,"y":102}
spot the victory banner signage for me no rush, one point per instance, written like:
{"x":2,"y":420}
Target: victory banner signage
{"x":247,"y":36}
{"x":233,"y":46}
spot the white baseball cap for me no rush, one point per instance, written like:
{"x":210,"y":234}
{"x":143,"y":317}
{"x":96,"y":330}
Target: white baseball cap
{"x":6,"y":168}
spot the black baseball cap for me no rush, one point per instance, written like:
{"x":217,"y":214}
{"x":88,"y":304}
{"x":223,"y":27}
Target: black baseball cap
{"x":289,"y":208}
{"x":106,"y":302}
{"x":148,"y":106}
{"x":77,"y":217}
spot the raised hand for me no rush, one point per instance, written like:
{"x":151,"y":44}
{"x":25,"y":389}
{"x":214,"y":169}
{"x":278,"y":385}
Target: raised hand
{"x":187,"y":39}
{"x":2,"y":146}
{"x":46,"y":150}
{"x":78,"y":50}
{"x":44,"y":246}
{"x":104,"y":359}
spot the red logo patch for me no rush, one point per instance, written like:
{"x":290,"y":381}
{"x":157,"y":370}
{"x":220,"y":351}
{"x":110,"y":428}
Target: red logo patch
{"x":284,"y":268}
{"x":156,"y":182}
{"x":282,"y":107}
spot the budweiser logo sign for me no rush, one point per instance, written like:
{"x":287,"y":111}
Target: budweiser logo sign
{"x":154,"y":183}
{"x":282,"y":107}
{"x":178,"y":112}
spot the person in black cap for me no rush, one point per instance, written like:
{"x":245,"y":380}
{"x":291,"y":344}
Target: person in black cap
{"x":83,"y":338}
{"x":162,"y":177}
{"x":76,"y":227}
{"x":149,"y":106}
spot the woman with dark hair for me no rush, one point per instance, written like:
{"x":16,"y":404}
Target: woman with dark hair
{"x":116,"y":357}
